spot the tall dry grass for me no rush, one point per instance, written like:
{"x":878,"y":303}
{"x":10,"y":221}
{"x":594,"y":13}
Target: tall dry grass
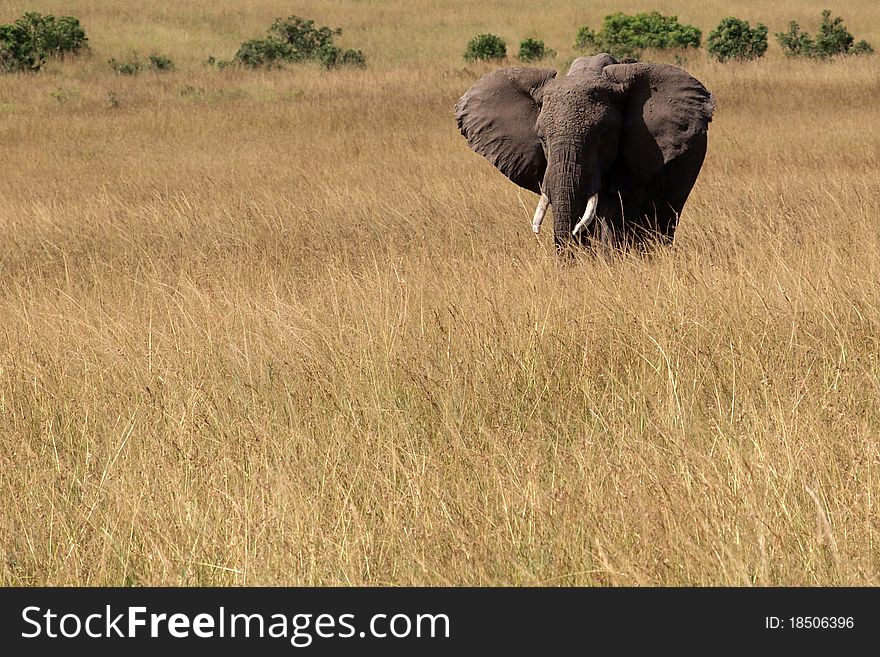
{"x":284,"y":327}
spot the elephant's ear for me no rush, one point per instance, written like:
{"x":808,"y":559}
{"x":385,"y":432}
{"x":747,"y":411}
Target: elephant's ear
{"x":498,"y":114}
{"x":665,"y":111}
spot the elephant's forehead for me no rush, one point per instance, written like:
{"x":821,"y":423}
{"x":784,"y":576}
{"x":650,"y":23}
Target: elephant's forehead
{"x":577,"y":94}
{"x":579,"y":106}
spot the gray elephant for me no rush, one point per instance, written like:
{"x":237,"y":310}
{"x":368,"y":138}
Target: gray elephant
{"x":615,"y":148}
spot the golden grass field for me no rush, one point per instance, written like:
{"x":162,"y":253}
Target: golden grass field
{"x":285,"y":328}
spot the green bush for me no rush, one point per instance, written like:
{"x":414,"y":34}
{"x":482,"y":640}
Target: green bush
{"x":330,"y":57}
{"x":257,"y":53}
{"x":291,"y":40}
{"x":134,"y":64}
{"x":17,"y":52}
{"x":623,"y":35}
{"x":26,"y":43}
{"x":351,"y":58}
{"x":486,"y":47}
{"x":735,"y":39}
{"x":532,"y":50}
{"x":125,"y":67}
{"x":861,"y":47}
{"x":54,"y":37}
{"x":160,"y":63}
{"x":794,"y":42}
{"x":302,"y":39}
{"x":832,"y":39}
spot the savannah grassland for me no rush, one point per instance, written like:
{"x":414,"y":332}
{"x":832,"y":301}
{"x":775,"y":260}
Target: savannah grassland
{"x":285,"y":328}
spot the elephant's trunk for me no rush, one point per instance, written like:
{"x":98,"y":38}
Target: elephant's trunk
{"x":562,"y":222}
{"x":565,"y":195}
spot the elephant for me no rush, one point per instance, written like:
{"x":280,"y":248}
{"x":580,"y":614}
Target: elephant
{"x":614,"y":148}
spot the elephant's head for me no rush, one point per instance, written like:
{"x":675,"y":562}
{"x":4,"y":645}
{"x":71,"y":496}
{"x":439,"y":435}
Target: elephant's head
{"x":604,"y":136}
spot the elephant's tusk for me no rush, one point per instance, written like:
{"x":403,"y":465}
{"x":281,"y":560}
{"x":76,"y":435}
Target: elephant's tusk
{"x":589,"y":214}
{"x":540,"y":211}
